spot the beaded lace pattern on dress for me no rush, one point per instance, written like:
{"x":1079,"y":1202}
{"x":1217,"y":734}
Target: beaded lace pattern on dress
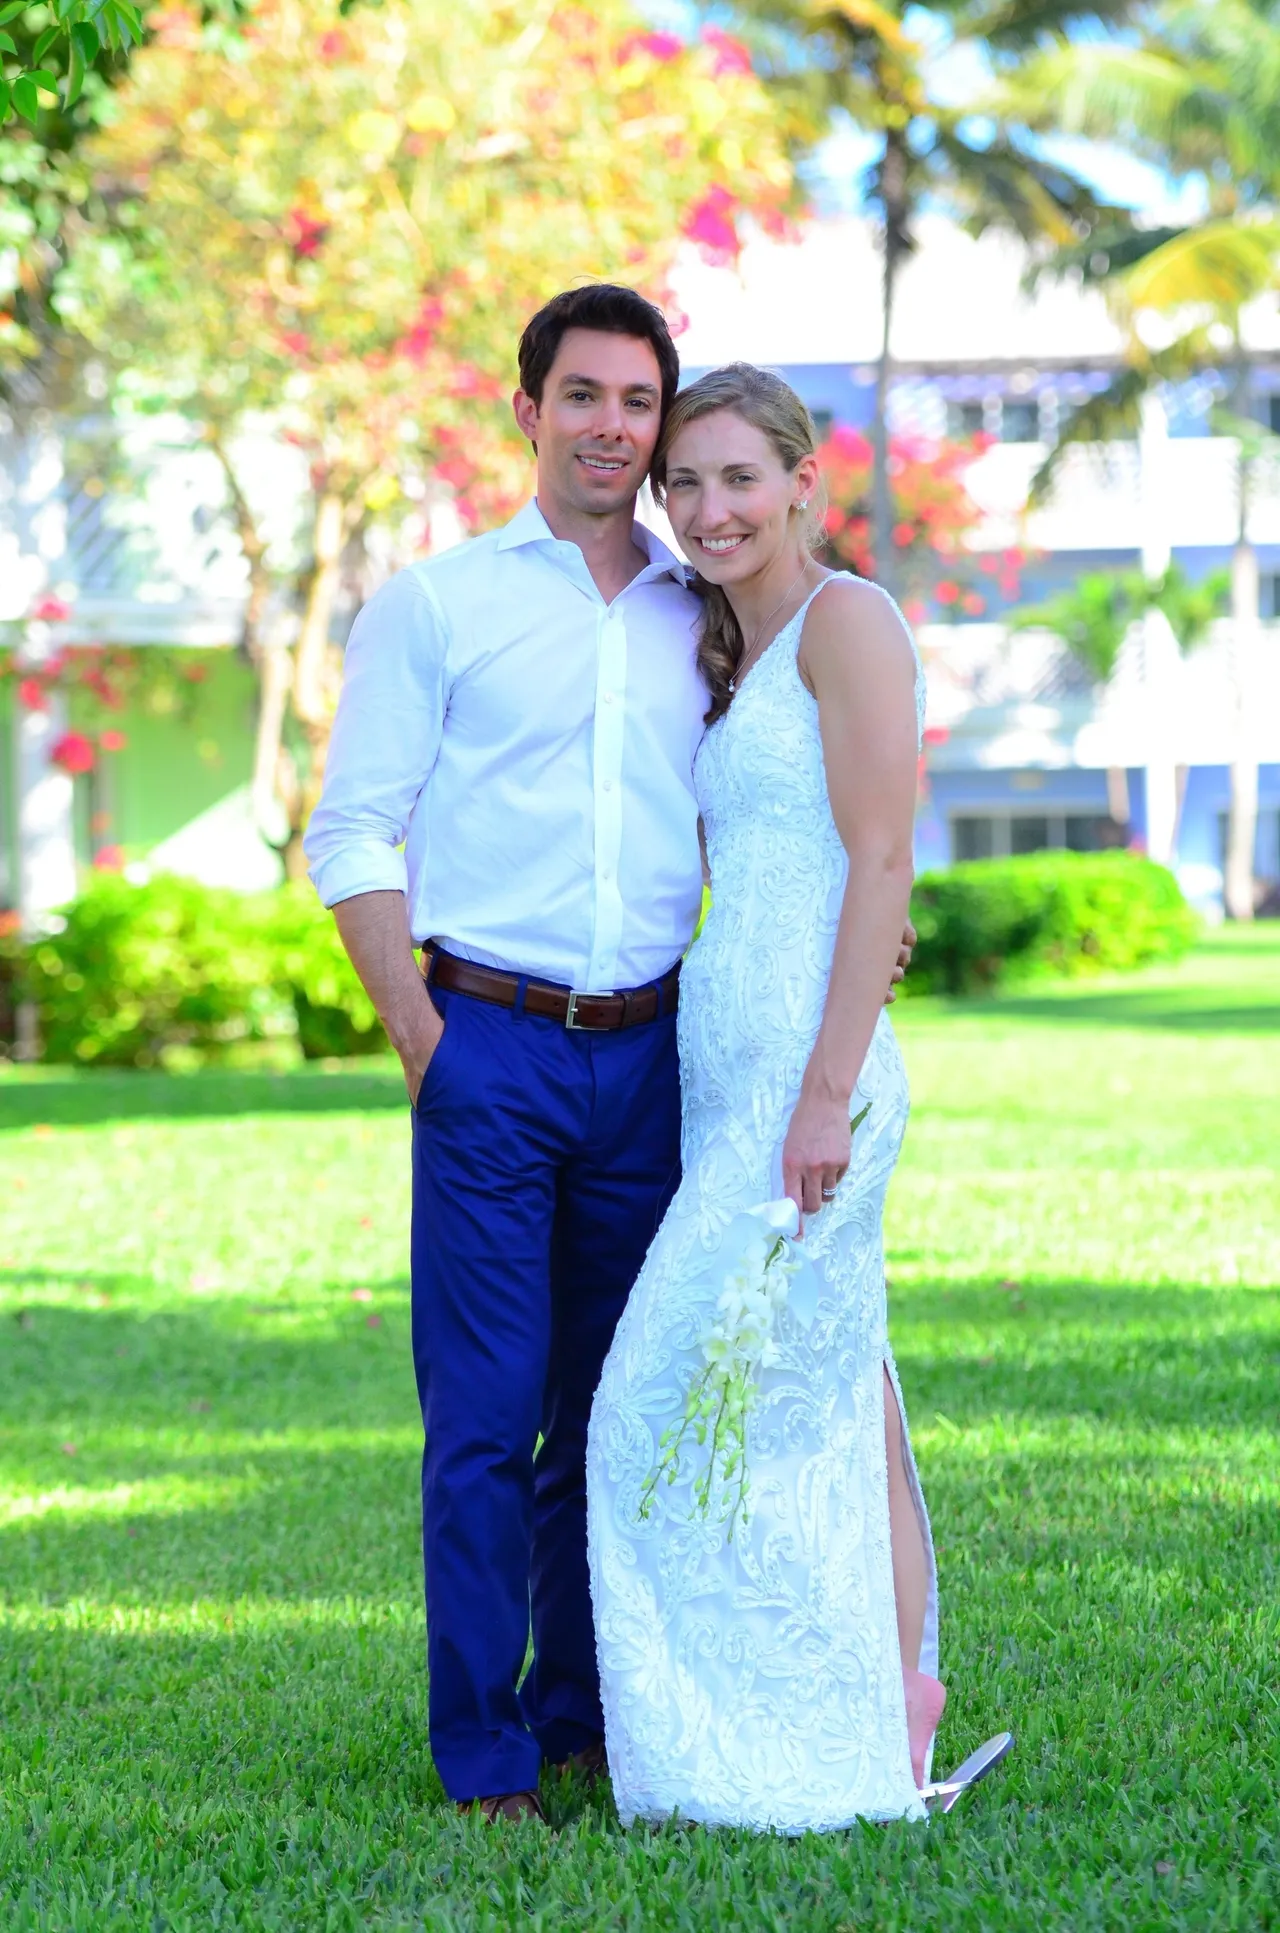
{"x":757,"y":1682}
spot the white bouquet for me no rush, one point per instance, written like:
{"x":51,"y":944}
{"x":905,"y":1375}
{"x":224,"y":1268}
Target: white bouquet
{"x":768,"y":1272}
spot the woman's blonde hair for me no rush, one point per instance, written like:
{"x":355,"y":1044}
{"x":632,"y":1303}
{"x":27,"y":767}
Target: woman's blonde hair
{"x":771,"y":406}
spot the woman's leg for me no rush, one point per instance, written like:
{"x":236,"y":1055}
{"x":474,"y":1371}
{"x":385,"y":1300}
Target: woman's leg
{"x":910,"y":1562}
{"x":924,"y":1695}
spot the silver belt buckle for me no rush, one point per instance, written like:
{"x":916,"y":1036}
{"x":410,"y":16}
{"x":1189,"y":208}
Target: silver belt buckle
{"x":571,"y":1017}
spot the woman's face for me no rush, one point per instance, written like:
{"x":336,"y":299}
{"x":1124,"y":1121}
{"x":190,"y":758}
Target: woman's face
{"x":731,"y":499}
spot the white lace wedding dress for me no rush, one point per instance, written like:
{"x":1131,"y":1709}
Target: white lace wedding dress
{"x":756,"y":1681}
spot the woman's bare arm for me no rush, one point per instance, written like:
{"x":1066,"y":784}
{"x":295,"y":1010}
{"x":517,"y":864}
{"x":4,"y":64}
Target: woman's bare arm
{"x":857,"y":659}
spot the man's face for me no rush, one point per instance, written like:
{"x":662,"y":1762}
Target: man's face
{"x":597,"y":423}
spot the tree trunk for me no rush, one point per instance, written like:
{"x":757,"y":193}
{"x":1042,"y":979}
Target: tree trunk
{"x":896,"y":244}
{"x":1242,"y":819}
{"x":313,"y":683}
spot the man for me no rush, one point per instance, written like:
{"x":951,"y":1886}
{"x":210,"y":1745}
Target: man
{"x":523,"y":712}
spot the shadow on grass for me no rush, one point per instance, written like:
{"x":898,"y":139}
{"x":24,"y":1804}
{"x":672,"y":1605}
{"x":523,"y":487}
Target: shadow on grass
{"x":75,"y":1099}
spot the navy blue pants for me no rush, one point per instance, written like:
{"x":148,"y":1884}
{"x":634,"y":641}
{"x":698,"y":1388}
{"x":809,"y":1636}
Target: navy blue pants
{"x":543,"y":1161}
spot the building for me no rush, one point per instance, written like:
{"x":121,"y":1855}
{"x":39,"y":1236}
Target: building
{"x":1023,"y":752}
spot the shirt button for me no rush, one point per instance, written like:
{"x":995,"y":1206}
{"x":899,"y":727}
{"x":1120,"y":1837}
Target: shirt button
{"x":606,"y":875}
{"x":608,"y":785}
{"x":608,"y":698}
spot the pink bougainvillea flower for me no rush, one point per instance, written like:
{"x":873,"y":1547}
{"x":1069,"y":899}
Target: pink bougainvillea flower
{"x":945,"y":591}
{"x":32,"y":695}
{"x":710,"y":223}
{"x":657,"y":46}
{"x":731,"y":56}
{"x":108,"y":859}
{"x":295,"y":342}
{"x":903,"y":534}
{"x":73,"y":753}
{"x":913,"y":611}
{"x":51,"y":610}
{"x":972,"y":604}
{"x":936,"y":734}
{"x":112,"y":741}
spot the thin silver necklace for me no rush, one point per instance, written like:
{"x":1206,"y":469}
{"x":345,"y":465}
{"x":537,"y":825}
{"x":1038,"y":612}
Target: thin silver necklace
{"x":748,"y":656}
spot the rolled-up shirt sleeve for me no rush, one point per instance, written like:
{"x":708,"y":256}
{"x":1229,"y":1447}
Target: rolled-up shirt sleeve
{"x":386,"y":736}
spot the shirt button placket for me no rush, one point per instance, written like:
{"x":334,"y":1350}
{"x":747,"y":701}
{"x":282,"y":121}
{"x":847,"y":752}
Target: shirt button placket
{"x":607,"y":749}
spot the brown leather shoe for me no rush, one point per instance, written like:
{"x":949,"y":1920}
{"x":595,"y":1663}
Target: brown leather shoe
{"x":505,"y":1805}
{"x":590,"y":1764}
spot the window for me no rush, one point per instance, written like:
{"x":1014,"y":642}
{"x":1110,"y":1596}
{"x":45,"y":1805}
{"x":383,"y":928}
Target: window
{"x":997,"y":835}
{"x":1271,"y":416}
{"x":971,"y":839}
{"x":1269,"y":594}
{"x":1020,"y":421}
{"x":965,"y":420}
{"x":1028,"y":833}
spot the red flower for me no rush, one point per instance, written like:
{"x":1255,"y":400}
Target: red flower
{"x":946,"y":592}
{"x":972,"y":604}
{"x":74,"y":753}
{"x":332,"y":46}
{"x":295,"y":342}
{"x":51,"y":610}
{"x":903,"y":534}
{"x":112,"y":741}
{"x":108,"y":859}
{"x":936,"y":734}
{"x":731,"y":56}
{"x":304,"y":233}
{"x":32,"y":695}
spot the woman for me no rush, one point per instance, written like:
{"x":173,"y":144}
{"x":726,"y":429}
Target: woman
{"x":773,"y":1667}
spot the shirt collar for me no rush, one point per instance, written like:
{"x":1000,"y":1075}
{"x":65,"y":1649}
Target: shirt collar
{"x":529,"y":526}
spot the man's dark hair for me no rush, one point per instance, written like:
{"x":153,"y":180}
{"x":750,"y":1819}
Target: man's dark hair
{"x":607,"y":307}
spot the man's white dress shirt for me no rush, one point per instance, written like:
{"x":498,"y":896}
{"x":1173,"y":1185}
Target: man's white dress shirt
{"x":532,"y":746}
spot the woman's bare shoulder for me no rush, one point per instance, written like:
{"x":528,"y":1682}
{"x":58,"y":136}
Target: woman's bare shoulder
{"x":852,"y":610}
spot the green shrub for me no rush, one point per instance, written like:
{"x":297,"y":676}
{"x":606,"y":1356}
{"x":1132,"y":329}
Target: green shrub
{"x":137,"y":973}
{"x":172,"y":972}
{"x":335,"y":1015}
{"x":990,"y":921}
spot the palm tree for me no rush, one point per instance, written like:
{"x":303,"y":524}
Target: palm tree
{"x":1199,"y":94}
{"x":1094,"y":618}
{"x":865,"y":59}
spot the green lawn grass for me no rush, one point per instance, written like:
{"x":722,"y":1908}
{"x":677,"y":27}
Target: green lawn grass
{"x":212,"y":1700}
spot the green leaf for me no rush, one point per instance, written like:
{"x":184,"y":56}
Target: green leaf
{"x":26,"y":99}
{"x":5,"y":109}
{"x":43,"y":78}
{"x":7,"y":44}
{"x":11,"y":12}
{"x":43,"y":45}
{"x":75,"y":75}
{"x":85,"y":36}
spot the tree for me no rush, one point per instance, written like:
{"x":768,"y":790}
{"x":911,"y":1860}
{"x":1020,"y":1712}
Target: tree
{"x":933,"y":516}
{"x":1094,"y":618}
{"x":1196,"y":93}
{"x":334,"y":237}
{"x":870,"y":60}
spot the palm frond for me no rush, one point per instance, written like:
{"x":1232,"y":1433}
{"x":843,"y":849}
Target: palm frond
{"x":1220,"y":264}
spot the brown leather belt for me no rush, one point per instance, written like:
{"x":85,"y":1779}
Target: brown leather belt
{"x":594,"y":1012}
